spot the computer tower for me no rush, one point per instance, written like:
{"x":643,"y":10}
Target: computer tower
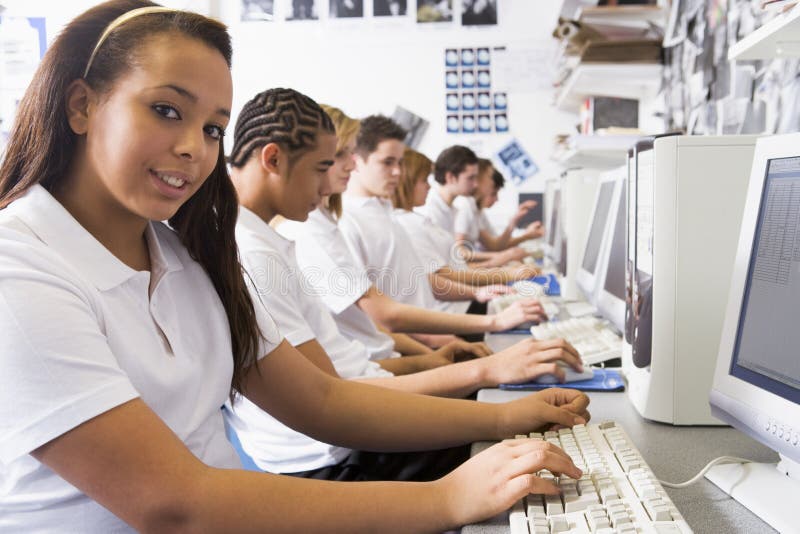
{"x":687,"y":194}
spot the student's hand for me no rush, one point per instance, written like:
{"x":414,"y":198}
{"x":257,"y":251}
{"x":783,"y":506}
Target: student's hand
{"x":521,"y":311}
{"x":522,"y":209}
{"x":523,"y":272}
{"x":487,"y":293}
{"x":457,"y":351}
{"x":513,"y":254}
{"x":534,"y":230}
{"x":528,"y":360}
{"x":549,"y":409}
{"x":493,"y":480}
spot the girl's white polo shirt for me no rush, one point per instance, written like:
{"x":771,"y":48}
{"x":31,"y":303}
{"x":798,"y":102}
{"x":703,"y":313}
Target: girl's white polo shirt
{"x":80,"y":333}
{"x":270,"y":262}
{"x":338,"y":279}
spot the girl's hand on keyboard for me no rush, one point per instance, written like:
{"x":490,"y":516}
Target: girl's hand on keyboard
{"x":493,"y":480}
{"x":521,"y":311}
{"x":487,"y":293}
{"x":548,"y":409}
{"x":528,"y":360}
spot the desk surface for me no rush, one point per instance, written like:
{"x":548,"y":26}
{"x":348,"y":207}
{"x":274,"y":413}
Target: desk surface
{"x":675,"y":454}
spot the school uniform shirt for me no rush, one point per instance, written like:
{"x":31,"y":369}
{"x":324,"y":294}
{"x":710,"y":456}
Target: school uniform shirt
{"x":337,"y":278}
{"x":470,"y":221}
{"x":80,"y":334}
{"x":435,"y":249}
{"x":385,"y":250}
{"x":269,"y":260}
{"x":437,"y":210}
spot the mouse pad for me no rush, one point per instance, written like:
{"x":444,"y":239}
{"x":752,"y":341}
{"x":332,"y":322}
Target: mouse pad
{"x":604,"y":380}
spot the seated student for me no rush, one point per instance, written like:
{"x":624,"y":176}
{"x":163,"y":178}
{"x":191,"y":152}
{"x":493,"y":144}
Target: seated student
{"x":342,"y":283}
{"x":375,"y":240}
{"x":474,"y":234}
{"x":435,"y":246}
{"x":268,"y":188}
{"x":121,"y":337}
{"x":455,"y":173}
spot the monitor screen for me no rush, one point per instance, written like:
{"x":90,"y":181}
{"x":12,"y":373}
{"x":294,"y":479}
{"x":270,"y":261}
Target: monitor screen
{"x":767,"y":340}
{"x":598,"y":227}
{"x":615,"y":272}
{"x":644,"y":211}
{"x":552,"y":224}
{"x":534,"y":214}
{"x":631,"y":191}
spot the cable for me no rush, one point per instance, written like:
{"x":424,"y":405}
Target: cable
{"x":712,"y":463}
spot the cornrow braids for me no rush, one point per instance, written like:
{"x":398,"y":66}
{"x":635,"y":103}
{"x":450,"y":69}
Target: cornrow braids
{"x":283,"y":116}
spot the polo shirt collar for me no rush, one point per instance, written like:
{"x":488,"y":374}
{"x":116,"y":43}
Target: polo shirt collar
{"x":359,"y":201}
{"x":254,"y":224}
{"x":60,"y":231}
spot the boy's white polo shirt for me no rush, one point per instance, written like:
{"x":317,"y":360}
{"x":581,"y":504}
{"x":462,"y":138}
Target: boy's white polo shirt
{"x":80,"y":334}
{"x":270,"y":262}
{"x":385,"y":249}
{"x":337,"y":278}
{"x":435,"y":249}
{"x":468,"y":219}
{"x":437,"y":210}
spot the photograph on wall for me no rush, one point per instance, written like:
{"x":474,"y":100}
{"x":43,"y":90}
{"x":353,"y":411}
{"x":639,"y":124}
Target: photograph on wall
{"x":484,"y":100}
{"x":517,"y":161}
{"x":500,"y":122}
{"x":483,"y":57}
{"x":302,"y":10}
{"x":434,"y":11}
{"x":451,"y":79}
{"x":389,"y":8}
{"x":344,"y":9}
{"x":468,"y":101}
{"x":451,"y":57}
{"x":415,"y":125}
{"x":484,"y":123}
{"x":258,"y":10}
{"x":453,"y":102}
{"x":478,"y":12}
{"x":467,"y":79}
{"x":453,"y":124}
{"x":467,"y":57}
{"x":484,"y":78}
{"x":468,"y":123}
{"x":500,"y":101}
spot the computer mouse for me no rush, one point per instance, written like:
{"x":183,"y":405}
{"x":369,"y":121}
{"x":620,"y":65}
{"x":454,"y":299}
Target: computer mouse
{"x":570,"y":375}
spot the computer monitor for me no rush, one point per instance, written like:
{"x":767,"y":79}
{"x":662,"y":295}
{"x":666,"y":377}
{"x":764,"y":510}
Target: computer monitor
{"x":642,"y":265}
{"x":630,"y":242}
{"x":597,"y":237}
{"x":553,"y":234}
{"x":611,"y":293}
{"x":756,"y":384}
{"x":534,"y":214}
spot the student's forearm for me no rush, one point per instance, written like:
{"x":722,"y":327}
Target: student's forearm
{"x":456,"y":380}
{"x":449,"y":290}
{"x":481,"y":276}
{"x":496,"y":243}
{"x":406,"y":345}
{"x":406,"y":364}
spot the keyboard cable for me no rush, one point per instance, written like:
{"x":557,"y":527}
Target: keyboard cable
{"x":712,"y":463}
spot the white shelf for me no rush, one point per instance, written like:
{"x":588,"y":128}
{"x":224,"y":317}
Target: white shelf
{"x":623,"y":80}
{"x":629,"y":16}
{"x":595,"y":152}
{"x":778,"y":38}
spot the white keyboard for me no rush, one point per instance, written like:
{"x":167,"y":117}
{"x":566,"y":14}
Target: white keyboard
{"x":618,"y":493}
{"x":498,"y":304}
{"x":579,"y":309}
{"x":590,"y":336}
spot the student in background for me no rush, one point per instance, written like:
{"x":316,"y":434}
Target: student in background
{"x":436,"y":247}
{"x":268,"y":188}
{"x":357,"y":305}
{"x":477,"y":241}
{"x":121,"y":336}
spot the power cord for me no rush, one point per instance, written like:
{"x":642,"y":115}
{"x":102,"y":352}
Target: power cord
{"x":712,"y":463}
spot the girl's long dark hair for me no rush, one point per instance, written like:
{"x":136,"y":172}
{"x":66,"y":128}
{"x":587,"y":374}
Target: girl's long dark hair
{"x":42,"y":144}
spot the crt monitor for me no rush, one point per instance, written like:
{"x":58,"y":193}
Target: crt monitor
{"x":596,"y":237}
{"x":553,"y":233}
{"x":611,"y":297}
{"x":757,"y":379}
{"x":534,"y":214}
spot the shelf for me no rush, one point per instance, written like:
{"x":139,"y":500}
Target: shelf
{"x":778,"y":38}
{"x":595,"y":151}
{"x":622,"y":80}
{"x":629,"y":16}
